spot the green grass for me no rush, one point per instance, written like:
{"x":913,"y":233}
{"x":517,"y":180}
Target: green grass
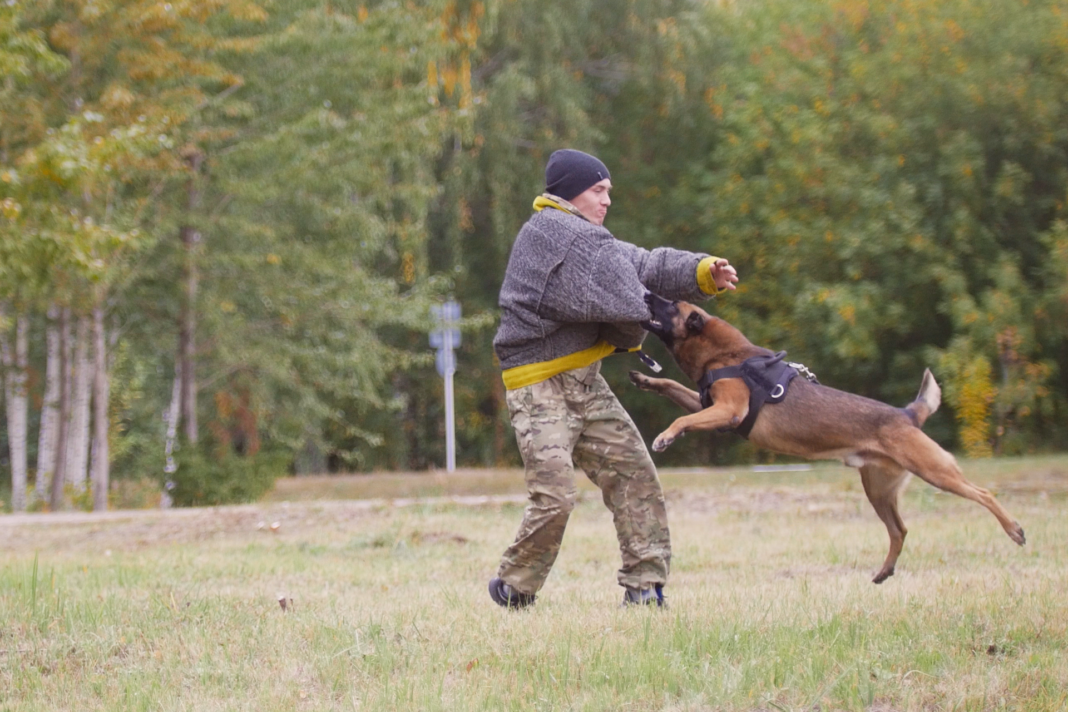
{"x":771,"y":605}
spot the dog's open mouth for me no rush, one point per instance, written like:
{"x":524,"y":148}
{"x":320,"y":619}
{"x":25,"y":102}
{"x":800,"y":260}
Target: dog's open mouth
{"x":651,"y":325}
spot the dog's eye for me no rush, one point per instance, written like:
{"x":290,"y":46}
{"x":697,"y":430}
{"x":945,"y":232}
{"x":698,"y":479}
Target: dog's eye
{"x":694,"y":323}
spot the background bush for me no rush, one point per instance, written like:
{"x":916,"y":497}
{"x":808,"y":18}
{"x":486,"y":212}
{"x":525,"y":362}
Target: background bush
{"x":203,"y":480}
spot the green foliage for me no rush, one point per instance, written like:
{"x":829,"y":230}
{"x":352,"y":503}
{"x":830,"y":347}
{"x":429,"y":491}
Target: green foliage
{"x":209,"y":479}
{"x":890,"y":179}
{"x":80,"y":498}
{"x":315,"y":263}
{"x":872,"y":177}
{"x":883,"y":175}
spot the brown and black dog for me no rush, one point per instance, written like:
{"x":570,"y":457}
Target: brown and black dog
{"x":812,"y":421}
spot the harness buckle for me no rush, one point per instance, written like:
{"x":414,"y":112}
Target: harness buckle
{"x":802,"y":370}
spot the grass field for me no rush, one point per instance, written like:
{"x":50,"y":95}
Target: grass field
{"x":771,"y":605}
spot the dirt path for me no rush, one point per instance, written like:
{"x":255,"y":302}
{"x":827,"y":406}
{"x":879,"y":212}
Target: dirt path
{"x":140,"y":529}
{"x":51,"y":518}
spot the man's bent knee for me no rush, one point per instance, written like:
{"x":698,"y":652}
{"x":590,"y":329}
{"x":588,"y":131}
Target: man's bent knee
{"x":558,"y":502}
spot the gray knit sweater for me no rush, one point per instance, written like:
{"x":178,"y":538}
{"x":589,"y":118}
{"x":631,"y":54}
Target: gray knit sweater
{"x":570,"y":284}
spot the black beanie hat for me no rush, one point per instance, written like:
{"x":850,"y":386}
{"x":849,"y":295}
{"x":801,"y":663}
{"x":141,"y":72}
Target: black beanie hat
{"x":569,"y":173}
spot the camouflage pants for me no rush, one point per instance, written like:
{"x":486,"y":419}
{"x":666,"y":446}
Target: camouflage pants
{"x":574,"y":419}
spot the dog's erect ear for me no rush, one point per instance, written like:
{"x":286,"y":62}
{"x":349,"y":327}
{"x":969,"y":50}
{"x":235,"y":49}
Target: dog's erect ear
{"x":695,"y":323}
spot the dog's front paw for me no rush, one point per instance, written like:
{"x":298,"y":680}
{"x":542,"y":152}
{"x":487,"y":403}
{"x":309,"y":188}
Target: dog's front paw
{"x":641,"y":380}
{"x":662,"y":441}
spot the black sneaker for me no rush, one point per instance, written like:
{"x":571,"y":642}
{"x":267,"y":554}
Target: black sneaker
{"x":647,"y":597}
{"x":504,"y":595}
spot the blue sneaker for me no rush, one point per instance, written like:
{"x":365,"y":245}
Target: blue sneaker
{"x":645,"y":597}
{"x":506,"y":596}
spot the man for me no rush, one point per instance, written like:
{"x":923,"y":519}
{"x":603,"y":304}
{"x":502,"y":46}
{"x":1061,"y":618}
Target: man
{"x":573,"y":294}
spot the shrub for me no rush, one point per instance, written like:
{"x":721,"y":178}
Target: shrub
{"x":202,"y":480}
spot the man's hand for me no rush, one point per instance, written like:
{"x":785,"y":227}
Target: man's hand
{"x":723,"y":274}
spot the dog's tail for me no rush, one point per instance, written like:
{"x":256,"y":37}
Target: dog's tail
{"x":927,"y":400}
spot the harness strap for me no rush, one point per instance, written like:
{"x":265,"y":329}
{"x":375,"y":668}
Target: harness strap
{"x":710,"y":377}
{"x":767,"y":377}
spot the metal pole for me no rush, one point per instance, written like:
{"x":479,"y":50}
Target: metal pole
{"x":450,"y":424}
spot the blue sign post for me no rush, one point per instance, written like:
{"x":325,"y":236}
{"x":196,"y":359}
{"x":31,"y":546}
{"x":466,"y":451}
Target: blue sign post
{"x":446,"y":338}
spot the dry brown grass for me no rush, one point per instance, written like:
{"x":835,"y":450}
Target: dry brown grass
{"x":771,"y":605}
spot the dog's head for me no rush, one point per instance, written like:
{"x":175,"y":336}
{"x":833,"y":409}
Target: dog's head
{"x":694,"y":337}
{"x":673,"y":322}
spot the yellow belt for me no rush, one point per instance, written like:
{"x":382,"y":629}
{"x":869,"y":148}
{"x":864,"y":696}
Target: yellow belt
{"x":531,"y":373}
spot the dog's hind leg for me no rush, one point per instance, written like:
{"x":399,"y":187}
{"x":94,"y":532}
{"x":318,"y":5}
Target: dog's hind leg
{"x":882,"y":485}
{"x":679,"y":394}
{"x":927,"y":460}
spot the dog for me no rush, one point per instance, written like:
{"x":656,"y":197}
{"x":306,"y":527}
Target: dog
{"x":809,"y":420}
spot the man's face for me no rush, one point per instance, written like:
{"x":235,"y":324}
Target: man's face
{"x":594,"y":202}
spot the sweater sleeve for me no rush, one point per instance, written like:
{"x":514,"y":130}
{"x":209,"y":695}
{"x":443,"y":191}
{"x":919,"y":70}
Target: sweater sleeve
{"x":623,"y":335}
{"x":671,"y":273}
{"x":597,"y":278}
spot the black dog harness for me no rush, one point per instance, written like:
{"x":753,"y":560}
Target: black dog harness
{"x":768,"y":377}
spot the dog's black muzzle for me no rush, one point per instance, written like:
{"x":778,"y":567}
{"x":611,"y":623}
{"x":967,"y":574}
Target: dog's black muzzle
{"x":663,"y":313}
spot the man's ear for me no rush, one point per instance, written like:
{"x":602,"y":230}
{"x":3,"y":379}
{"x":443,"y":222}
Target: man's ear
{"x":695,"y":323}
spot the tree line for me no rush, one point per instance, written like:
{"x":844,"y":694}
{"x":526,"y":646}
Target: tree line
{"x":223,"y":222}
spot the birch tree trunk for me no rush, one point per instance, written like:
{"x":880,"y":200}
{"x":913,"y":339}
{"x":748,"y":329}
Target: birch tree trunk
{"x":59,"y":476}
{"x":171,"y":416}
{"x":187,"y":333}
{"x":78,"y":439}
{"x":46,"y":438}
{"x":101,"y":396}
{"x":15,"y":397}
